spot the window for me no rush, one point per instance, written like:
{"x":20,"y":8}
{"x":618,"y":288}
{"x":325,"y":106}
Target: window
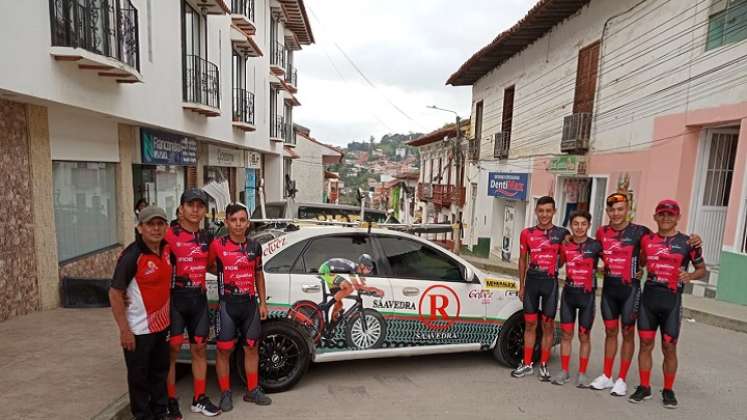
{"x":416,"y":260}
{"x":727,"y":23}
{"x":195,"y":35}
{"x":344,"y":246}
{"x":586,"y":79}
{"x":744,"y":230}
{"x":85,"y":207}
{"x":506,"y":121}
{"x":283,"y":262}
{"x":238,"y":71}
{"x":478,"y":130}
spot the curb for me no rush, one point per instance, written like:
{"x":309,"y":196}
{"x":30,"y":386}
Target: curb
{"x":119,"y":409}
{"x":715,"y":320}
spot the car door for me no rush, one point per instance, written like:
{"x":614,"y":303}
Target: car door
{"x":307,"y":285}
{"x":432,"y":301}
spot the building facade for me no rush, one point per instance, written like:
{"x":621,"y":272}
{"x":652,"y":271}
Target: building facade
{"x":442,"y":178}
{"x":309,"y":169}
{"x":584,"y":98}
{"x":106,"y":102}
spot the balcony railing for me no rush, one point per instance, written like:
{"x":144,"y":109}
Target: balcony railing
{"x":473,"y":149}
{"x":291,"y":76}
{"x":201,"y":82}
{"x":106,"y":27}
{"x":277,"y":127}
{"x":501,"y":144}
{"x":278,"y":55}
{"x":243,"y":7}
{"x":576,"y":133}
{"x":243,"y":106}
{"x":289,"y":136}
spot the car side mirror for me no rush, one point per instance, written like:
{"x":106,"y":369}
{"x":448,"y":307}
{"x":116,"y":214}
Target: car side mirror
{"x":468,"y":274}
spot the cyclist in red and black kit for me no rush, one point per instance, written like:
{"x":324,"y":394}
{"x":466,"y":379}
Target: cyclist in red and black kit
{"x":538,"y":272}
{"x":188,"y":245}
{"x":237,"y":260}
{"x":621,"y":290}
{"x":581,"y":256}
{"x":667,"y":256}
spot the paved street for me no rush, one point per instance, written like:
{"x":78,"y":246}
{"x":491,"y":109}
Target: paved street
{"x":710,"y":385}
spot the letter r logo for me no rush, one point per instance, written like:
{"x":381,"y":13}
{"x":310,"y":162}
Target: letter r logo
{"x":441,"y":309}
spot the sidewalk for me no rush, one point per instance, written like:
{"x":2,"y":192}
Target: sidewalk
{"x":705,"y":310}
{"x":61,"y":364}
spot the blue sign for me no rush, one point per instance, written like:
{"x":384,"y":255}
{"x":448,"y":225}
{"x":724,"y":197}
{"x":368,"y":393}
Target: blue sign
{"x":161,"y":148}
{"x":513,"y":186}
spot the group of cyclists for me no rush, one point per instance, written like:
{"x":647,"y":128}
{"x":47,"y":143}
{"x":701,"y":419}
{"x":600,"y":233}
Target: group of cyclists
{"x":625,"y":249}
{"x":159,"y":290}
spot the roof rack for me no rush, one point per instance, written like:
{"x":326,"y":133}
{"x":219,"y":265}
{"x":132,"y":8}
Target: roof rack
{"x":400,"y":227}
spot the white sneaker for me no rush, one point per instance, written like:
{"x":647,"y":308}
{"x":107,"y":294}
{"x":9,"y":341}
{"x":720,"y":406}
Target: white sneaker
{"x":620,"y":389}
{"x":602,"y":382}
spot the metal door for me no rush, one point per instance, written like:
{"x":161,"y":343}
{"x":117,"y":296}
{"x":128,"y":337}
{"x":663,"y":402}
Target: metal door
{"x":719,"y":154}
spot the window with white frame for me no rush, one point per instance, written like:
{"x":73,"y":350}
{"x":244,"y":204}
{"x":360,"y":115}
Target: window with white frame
{"x":85,"y":207}
{"x":727,"y":23}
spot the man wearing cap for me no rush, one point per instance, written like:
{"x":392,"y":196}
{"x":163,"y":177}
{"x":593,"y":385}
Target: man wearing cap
{"x":666,"y":255}
{"x":188,"y":251}
{"x":139,"y":296}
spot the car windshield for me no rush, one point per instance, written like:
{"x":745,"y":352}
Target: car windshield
{"x":339,"y":214}
{"x":272,"y":211}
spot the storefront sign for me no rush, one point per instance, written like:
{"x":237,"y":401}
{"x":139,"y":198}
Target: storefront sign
{"x":575,"y":165}
{"x":220,"y":156}
{"x":161,"y":148}
{"x":253,"y":160}
{"x":513,"y":186}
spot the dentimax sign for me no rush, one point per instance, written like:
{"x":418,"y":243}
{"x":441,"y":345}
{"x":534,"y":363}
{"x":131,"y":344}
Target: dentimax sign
{"x":513,"y":186}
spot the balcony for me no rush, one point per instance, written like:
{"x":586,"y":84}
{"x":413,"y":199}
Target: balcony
{"x":243,"y":110}
{"x":277,"y":128}
{"x":473,"y":150}
{"x":291,"y":79}
{"x":501,"y":144}
{"x":444,"y":195}
{"x":289,"y":135}
{"x":201,"y":86}
{"x":278,"y":59}
{"x":242,"y":15}
{"x":244,"y":43}
{"x":576,"y":133}
{"x":210,"y":7}
{"x":101,"y":37}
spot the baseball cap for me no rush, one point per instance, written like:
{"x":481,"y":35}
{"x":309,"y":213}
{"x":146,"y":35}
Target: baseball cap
{"x":151,"y":212}
{"x":616,"y":198}
{"x":193,"y":194}
{"x":668,"y":206}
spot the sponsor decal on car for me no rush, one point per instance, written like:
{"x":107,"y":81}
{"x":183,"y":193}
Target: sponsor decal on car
{"x":439,"y":307}
{"x":273,"y":246}
{"x":483,"y":295}
{"x":394,"y":304}
{"x":436,"y":336}
{"x":500,"y":284}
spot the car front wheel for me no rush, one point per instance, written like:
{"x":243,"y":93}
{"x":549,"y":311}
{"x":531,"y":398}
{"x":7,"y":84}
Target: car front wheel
{"x":509,"y":350}
{"x":284,"y":355}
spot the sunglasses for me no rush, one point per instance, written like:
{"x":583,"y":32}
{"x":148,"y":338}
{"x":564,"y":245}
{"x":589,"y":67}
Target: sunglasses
{"x":616,"y":198}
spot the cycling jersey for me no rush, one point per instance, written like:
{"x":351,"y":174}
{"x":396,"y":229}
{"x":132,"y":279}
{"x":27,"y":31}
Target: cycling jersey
{"x":145,"y":277}
{"x":620,"y":251}
{"x":189,"y":257}
{"x":581,"y":263}
{"x":237,"y":265}
{"x":666,"y":257}
{"x":329,"y":269}
{"x":543,"y":247}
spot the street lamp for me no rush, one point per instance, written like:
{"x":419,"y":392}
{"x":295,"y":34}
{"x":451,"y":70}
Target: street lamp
{"x":458,"y":158}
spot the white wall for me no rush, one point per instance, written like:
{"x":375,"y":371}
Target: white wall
{"x":308,"y":170}
{"x":654,"y":46}
{"x":81,"y":136}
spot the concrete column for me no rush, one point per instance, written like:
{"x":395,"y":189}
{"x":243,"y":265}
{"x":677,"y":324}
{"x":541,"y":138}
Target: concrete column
{"x":42,"y":186}
{"x":125,"y":193}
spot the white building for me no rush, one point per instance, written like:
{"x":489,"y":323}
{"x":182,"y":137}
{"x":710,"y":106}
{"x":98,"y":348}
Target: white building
{"x":584,"y":98}
{"x":441,"y":185}
{"x":307,"y":167}
{"x":127,"y":99}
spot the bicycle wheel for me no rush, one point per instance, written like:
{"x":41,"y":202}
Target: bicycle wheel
{"x":369,"y":338}
{"x":310,"y":316}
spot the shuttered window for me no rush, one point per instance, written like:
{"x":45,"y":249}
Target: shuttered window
{"x":727,"y":23}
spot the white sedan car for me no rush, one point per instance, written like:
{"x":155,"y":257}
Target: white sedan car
{"x":419,"y":299}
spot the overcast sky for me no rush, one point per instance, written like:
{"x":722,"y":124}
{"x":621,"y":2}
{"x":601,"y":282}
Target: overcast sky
{"x":406,"y":48}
